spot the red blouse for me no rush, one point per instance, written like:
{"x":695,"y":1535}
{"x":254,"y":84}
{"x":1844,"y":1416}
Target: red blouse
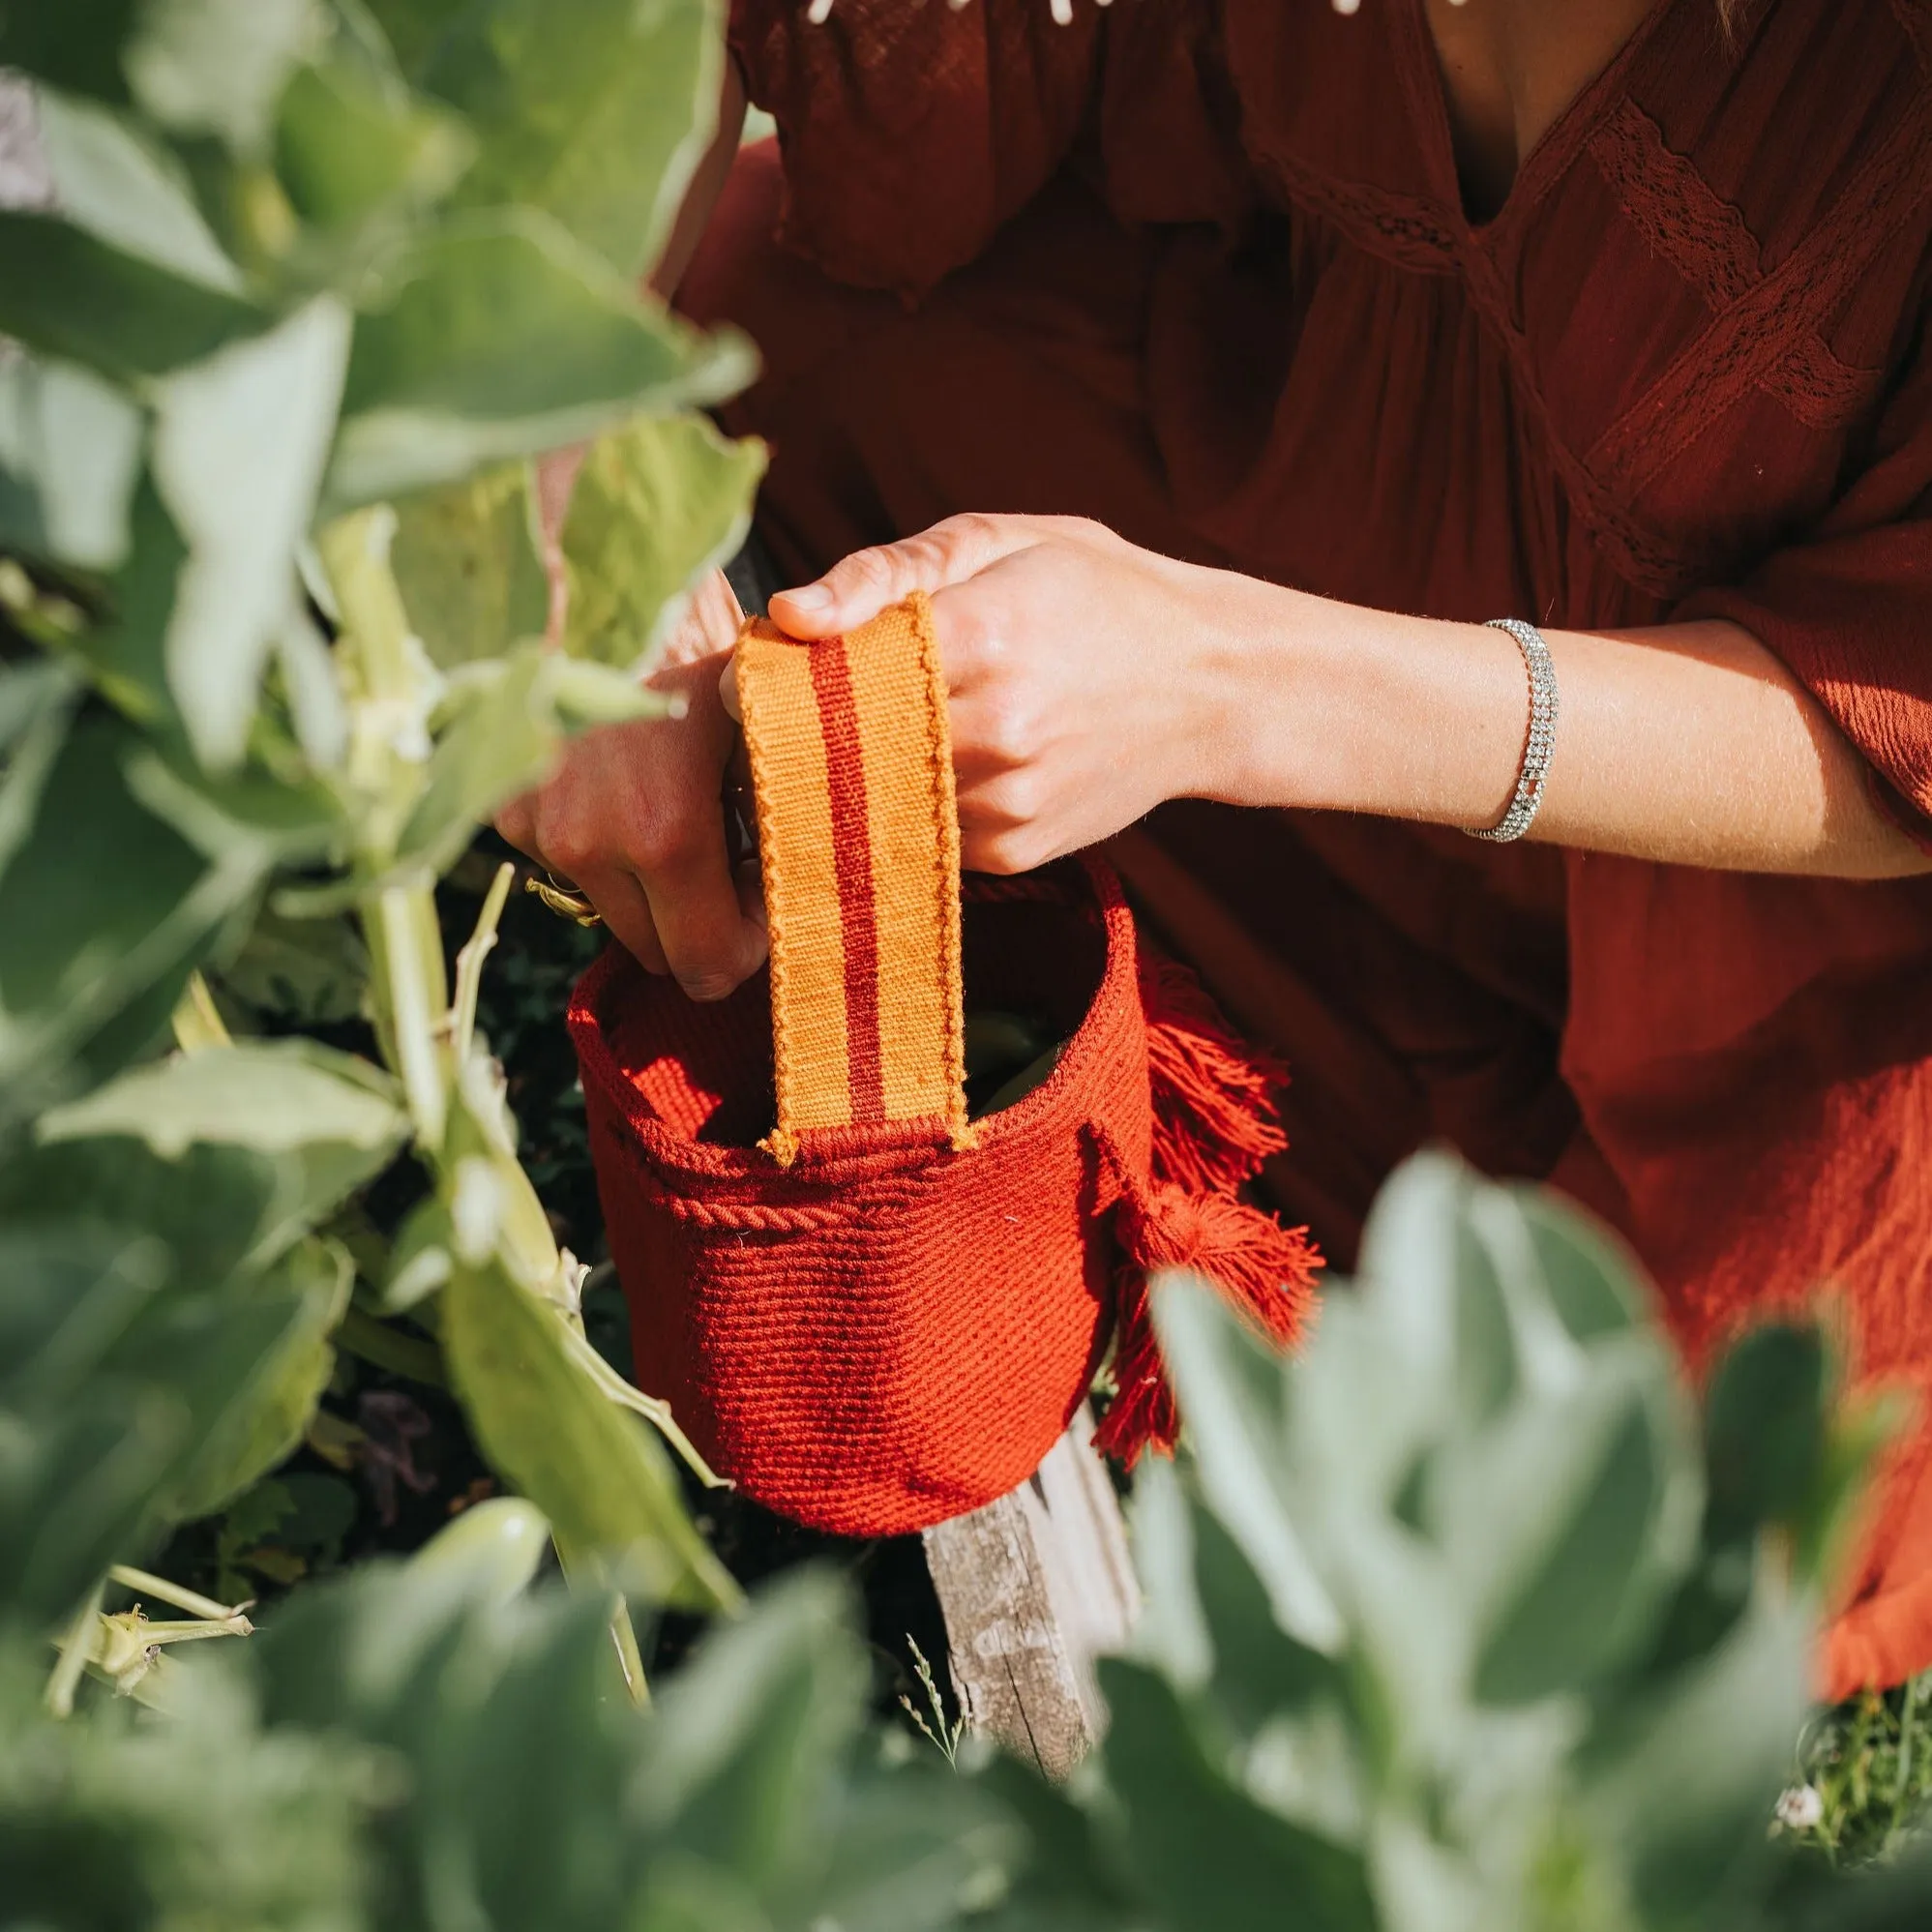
{"x":1202,"y":268}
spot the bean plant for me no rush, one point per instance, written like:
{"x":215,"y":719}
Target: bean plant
{"x":1474,"y":1617}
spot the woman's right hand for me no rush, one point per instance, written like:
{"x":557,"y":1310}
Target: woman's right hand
{"x":634,"y":817}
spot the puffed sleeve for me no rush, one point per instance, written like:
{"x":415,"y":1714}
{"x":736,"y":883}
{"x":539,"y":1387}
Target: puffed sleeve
{"x":1849,"y":609}
{"x":911,"y":131}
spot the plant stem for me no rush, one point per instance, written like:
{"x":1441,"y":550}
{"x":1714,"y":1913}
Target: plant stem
{"x":74,"y":1650}
{"x":376,"y":1342}
{"x":178,"y":1594}
{"x":469,"y":962}
{"x":198,"y":1020}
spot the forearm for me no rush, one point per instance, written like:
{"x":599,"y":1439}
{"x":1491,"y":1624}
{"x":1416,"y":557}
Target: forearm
{"x":1690,"y":744}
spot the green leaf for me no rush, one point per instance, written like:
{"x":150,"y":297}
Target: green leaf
{"x":1571,"y":1521}
{"x":105,"y":908}
{"x":351,"y":144}
{"x":656,"y":503}
{"x":110,"y":179}
{"x":502,"y":338}
{"x":277,"y":1096}
{"x":600,"y":1478}
{"x":240,"y":445}
{"x":68,"y":295}
{"x":70,"y":452}
{"x":112,"y":1378}
{"x":737,"y":1766}
{"x":466,"y":562}
{"x":310,"y":970}
{"x":1677,"y":1781}
{"x":499,"y":1545}
{"x":1235,"y":1396}
{"x":214,"y":1209}
{"x":1766,"y":1415}
{"x":262,"y":1427}
{"x":596,"y":112}
{"x":504,"y":740}
{"x":415,"y":27}
{"x":1207,"y":1857}
{"x":217,"y":67}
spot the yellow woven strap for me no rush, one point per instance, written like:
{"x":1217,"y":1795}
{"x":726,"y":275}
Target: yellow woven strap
{"x":858,"y":834}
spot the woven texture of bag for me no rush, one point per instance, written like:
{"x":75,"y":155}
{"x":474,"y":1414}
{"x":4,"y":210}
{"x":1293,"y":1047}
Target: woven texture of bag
{"x":870,"y":1313}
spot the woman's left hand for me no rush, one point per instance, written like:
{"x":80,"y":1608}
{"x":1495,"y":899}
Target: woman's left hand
{"x":1081,"y":671}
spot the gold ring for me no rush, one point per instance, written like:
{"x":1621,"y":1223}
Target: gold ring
{"x":563,"y":900}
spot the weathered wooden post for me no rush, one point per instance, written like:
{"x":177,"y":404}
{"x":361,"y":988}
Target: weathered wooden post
{"x":1033,"y":1588}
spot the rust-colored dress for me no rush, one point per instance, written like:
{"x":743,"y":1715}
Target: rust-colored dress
{"x":1201,"y":269}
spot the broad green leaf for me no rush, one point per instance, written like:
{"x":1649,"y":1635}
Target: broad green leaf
{"x":69,"y":295}
{"x":78,"y":1462}
{"x":656,"y":503}
{"x":1765,"y":1427}
{"x":240,"y":445}
{"x":265,"y":1423}
{"x":104,"y":907}
{"x":1236,"y":1397}
{"x":113,"y":1378}
{"x":127,"y":649}
{"x":277,"y":1096}
{"x":1432,"y":1287}
{"x":69,"y":451}
{"x":735,"y":1771}
{"x":128,"y":190}
{"x":596,"y":112}
{"x":349,"y":147}
{"x":413,"y":27}
{"x":598,"y":1474}
{"x":498,"y":1546}
{"x":221,"y":1209}
{"x":310,"y":970}
{"x":503,"y":741}
{"x":1595,"y":1282}
{"x":217,"y":67}
{"x":466,"y":562}
{"x":1207,"y":1857}
{"x":501,"y":338}
{"x":1676,"y":1782}
{"x":505,"y":738}
{"x":1570,"y":1521}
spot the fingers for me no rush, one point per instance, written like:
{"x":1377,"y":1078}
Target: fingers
{"x":857,"y":589}
{"x":710,"y":941}
{"x":626,"y":913}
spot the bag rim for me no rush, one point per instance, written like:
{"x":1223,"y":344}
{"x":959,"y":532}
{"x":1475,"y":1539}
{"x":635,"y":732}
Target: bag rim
{"x":836,"y":1158}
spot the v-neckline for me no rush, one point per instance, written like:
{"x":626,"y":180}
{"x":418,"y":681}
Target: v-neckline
{"x":1552,"y":149}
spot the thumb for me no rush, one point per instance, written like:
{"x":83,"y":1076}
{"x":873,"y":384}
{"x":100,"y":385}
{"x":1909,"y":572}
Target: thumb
{"x":857,"y":589}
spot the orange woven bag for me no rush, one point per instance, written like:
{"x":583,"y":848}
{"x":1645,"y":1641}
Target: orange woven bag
{"x":869,"y":1311}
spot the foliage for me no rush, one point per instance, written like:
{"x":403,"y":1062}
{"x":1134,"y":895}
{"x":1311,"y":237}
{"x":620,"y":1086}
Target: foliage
{"x":283,"y":278}
{"x":1468,"y":1619}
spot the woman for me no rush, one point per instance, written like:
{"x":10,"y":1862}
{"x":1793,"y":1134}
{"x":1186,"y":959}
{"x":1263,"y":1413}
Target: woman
{"x":1222,"y":367}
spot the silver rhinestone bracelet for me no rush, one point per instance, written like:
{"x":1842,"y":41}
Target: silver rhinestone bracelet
{"x":1542,"y":738}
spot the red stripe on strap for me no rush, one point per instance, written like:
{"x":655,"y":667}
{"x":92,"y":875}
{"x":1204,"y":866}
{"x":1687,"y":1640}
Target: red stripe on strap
{"x":852,"y":848}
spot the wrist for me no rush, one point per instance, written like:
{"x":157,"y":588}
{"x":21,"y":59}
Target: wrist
{"x":1266,"y":679}
{"x":1332,"y":706}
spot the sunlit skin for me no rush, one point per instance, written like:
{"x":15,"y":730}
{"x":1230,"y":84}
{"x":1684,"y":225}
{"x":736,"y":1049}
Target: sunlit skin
{"x":1091,"y":680}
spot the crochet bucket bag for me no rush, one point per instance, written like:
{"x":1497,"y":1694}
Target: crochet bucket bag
{"x":868,"y":1308}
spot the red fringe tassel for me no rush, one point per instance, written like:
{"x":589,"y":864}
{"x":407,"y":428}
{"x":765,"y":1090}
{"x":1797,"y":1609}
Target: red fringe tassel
{"x":1214,"y":1094}
{"x":1267,"y":1270}
{"x":1214,"y":1125}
